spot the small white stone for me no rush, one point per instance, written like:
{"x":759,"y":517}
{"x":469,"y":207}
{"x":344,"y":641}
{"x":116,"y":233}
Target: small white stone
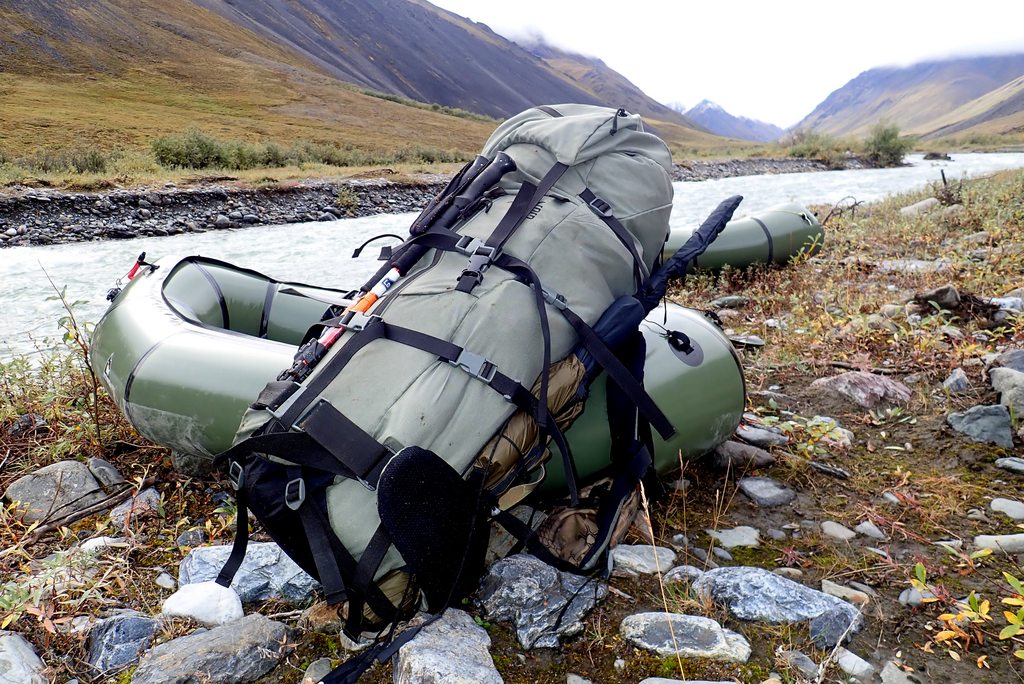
{"x":1009,"y":543}
{"x":839,"y":591}
{"x":206,"y":602}
{"x":837,"y":531}
{"x":97,"y":543}
{"x":165,"y":581}
{"x":870,"y":529}
{"x":854,"y":665}
{"x":789,"y":573}
{"x":737,"y":536}
{"x":1008,"y":507}
{"x":630,"y":560}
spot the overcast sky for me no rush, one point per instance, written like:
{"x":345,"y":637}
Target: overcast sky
{"x":773,"y":60}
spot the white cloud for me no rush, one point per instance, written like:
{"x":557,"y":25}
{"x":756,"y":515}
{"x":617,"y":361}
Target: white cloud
{"x":773,"y":61}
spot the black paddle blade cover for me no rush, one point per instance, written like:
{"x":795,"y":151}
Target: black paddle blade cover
{"x":654,"y":289}
{"x":436,"y":521}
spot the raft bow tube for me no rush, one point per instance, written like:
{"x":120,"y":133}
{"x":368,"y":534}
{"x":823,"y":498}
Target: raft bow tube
{"x":189,"y":344}
{"x":774,"y":235}
{"x":186,"y":346}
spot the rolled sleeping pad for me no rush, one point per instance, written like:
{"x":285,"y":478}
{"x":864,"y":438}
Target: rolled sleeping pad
{"x":702,"y":392}
{"x":184,"y":380}
{"x":774,"y":235}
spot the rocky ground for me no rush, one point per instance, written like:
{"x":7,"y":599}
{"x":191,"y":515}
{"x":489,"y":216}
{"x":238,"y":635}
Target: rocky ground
{"x":862,"y":525}
{"x":45,"y":216}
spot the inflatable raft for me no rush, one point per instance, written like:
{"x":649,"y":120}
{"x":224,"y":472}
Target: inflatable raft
{"x":774,"y":235}
{"x":189,"y":343}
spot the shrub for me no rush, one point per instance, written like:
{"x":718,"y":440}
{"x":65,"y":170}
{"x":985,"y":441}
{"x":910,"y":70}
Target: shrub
{"x":808,"y":144}
{"x":193,"y":150}
{"x":884,"y":147}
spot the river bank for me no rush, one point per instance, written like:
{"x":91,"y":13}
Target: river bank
{"x":862,"y":525}
{"x":34,"y":216}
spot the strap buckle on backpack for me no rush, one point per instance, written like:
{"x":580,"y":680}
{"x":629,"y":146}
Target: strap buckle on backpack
{"x":480,"y":257}
{"x":554,"y":299}
{"x":360,"y":321}
{"x":236,"y":475}
{"x":295,"y":493}
{"x":600,"y":207}
{"x":476,"y":365}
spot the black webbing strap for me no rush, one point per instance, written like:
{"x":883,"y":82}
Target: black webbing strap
{"x":603,"y":210}
{"x":548,"y":428}
{"x":527,"y":198}
{"x":550,"y":111}
{"x":353,"y":669}
{"x":604,"y":356}
{"x":241,"y":542}
{"x":630,"y":457}
{"x":297,"y":447}
{"x":633,"y":388}
{"x":359,"y":452}
{"x":317,"y":536}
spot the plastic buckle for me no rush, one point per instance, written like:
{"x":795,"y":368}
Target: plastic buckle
{"x":467,"y":245}
{"x":475,"y":365}
{"x":600,"y":207}
{"x":359,"y":321}
{"x":236,"y":475}
{"x":554,"y":299}
{"x":295,"y":493}
{"x":479,"y":261}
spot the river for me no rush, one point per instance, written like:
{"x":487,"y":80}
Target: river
{"x":320,"y":252}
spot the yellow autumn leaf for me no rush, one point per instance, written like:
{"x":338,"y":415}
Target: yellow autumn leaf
{"x":982,"y":662}
{"x":1014,"y":601}
{"x":946,"y":617}
{"x":954,"y":655}
{"x":945,"y":635}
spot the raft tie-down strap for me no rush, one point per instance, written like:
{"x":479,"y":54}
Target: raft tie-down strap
{"x":268,"y":301}
{"x":768,"y":237}
{"x":603,"y":210}
{"x":215,"y":286}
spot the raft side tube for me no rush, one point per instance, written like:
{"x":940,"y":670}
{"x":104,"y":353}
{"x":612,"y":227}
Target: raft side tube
{"x":774,"y":235}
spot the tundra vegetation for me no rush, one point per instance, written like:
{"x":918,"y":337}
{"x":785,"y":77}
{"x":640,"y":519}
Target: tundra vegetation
{"x":816,"y":316}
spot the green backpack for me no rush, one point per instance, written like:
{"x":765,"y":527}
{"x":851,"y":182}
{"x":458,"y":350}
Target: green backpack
{"x":378,"y":460}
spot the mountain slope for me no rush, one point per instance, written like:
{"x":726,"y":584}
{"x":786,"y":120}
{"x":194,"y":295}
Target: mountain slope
{"x":720,"y":122}
{"x":912,"y":97}
{"x":997,"y":112}
{"x":407,"y":48}
{"x":116,"y":73}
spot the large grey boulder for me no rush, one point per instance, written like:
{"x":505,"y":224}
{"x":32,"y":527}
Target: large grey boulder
{"x":543,"y":603}
{"x":986,"y":424}
{"x":452,"y":650}
{"x":19,"y":663}
{"x":266,"y":573}
{"x":756,"y":594}
{"x":864,"y":389}
{"x":241,"y":651}
{"x":55,"y":490}
{"x":120,"y":640}
{"x":686,"y":636}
